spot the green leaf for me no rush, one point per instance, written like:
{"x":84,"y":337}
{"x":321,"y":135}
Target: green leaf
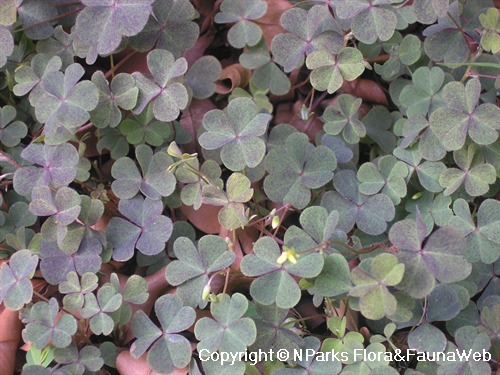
{"x":120,"y":93}
{"x":142,"y":129}
{"x":405,"y":54}
{"x":442,"y":304}
{"x":236,"y":131}
{"x":11,"y":132}
{"x":7,"y":45}
{"x":16,"y":289}
{"x":275,"y":284}
{"x":329,"y":72}
{"x":371,"y":279}
{"x":194,"y":265}
{"x":76,"y":362}
{"x":307,"y":31}
{"x":462,"y":116}
{"x":473,"y":174}
{"x":167,"y":93}
{"x":369,"y":213}
{"x":98,"y":308}
{"x":490,"y":38}
{"x":156,"y":181}
{"x":44,"y":324}
{"x":483,"y":238}
{"x":428,"y":11}
{"x":63,"y":206}
{"x":295,"y":168}
{"x":334,"y":279}
{"x":202,"y":75}
{"x":167,"y":349}
{"x":427,"y":338}
{"x":228,"y":331}
{"x":243,"y":32}
{"x":417,"y":129}
{"x":378,"y":123}
{"x":75,"y":289}
{"x":369,"y":21}
{"x":343,"y":117}
{"x":434,"y":209}
{"x":441,"y":258}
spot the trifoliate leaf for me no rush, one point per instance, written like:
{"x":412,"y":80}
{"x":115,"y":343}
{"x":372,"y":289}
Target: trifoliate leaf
{"x":36,"y":18}
{"x":329,"y":72}
{"x":120,"y":93}
{"x":427,"y":338}
{"x":166,"y":91}
{"x":371,"y":279}
{"x":97,"y":309}
{"x":295,"y":168}
{"x":75,"y":289}
{"x":11,"y":131}
{"x":167,"y":349}
{"x":483,"y":239}
{"x":242,"y":12}
{"x":76,"y":362}
{"x":272,"y":332}
{"x":169,"y":27}
{"x":57,"y":167}
{"x":16,"y":289}
{"x":64,"y":103}
{"x":433,"y":208}
{"x":334,"y":279}
{"x":424,"y":95}
{"x":442,"y":304}
{"x":276,"y":284}
{"x":378,"y":123}
{"x":475,"y":175}
{"x":369,"y":213}
{"x":44,"y":324}
{"x":17,"y":217}
{"x":143,"y":128}
{"x":237,"y":131}
{"x":404,"y":54}
{"x":490,"y":38}
{"x":388,"y":175}
{"x":369,"y":20}
{"x":102,"y":24}
{"x":60,"y":44}
{"x":343,"y":117}
{"x":441,"y":258}
{"x":417,"y":128}
{"x":28,"y":78}
{"x":462,"y":116}
{"x":147,"y":230}
{"x":194,"y":265}
{"x":308,"y":31}
{"x":228,"y":331}
{"x":156,"y":181}
{"x":202,"y":75}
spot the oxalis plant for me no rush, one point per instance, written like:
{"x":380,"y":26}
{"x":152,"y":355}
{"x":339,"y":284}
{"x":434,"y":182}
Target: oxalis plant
{"x":184,"y":182}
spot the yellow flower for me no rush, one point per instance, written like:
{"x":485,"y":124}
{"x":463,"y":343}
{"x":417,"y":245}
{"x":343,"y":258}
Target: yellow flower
{"x":287,"y":254}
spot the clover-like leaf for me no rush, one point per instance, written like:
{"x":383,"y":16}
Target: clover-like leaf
{"x":11,"y":131}
{"x":166,"y":91}
{"x":36,"y":18}
{"x":467,"y":340}
{"x":114,"y":141}
{"x":194,"y":265}
{"x":28,"y":78}
{"x":64,"y":103}
{"x":428,"y":11}
{"x":404,"y":54}
{"x":490,"y":38}
{"x":369,"y":20}
{"x":378,"y":124}
{"x":236,"y":131}
{"x":295,"y":168}
{"x":44,"y":324}
{"x":275,"y":283}
{"x":202,"y":75}
{"x":60,"y":44}
{"x":417,"y":129}
{"x":144,"y":128}
{"x":191,"y":193}
{"x":443,"y":303}
{"x":102,"y":24}
{"x":342,"y":117}
{"x":55,"y":264}
{"x":371,"y":279}
{"x":242,"y":13}
{"x":475,"y":175}
{"x":441,"y":258}
{"x":63,"y":206}
{"x":483,"y":236}
{"x":16,"y":289}
{"x":156,"y":181}
{"x":334,"y":279}
{"x":76,"y":361}
{"x":75,"y":289}
{"x":120,"y":93}
{"x":147,"y":230}
{"x":272,"y":332}
{"x":57,"y":167}
{"x":167,"y":349}
{"x":329,"y":72}
{"x":369,"y":213}
{"x":228,"y":331}
{"x":308,"y":31}
{"x":238,"y":191}
{"x":462,"y":116}
{"x":18,"y":216}
{"x":97,"y":308}
{"x":424,"y":95}
{"x":427,"y":338}
{"x":6,"y":45}
{"x":433,"y":208}
{"x":169,"y":27}
{"x":387,"y":176}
